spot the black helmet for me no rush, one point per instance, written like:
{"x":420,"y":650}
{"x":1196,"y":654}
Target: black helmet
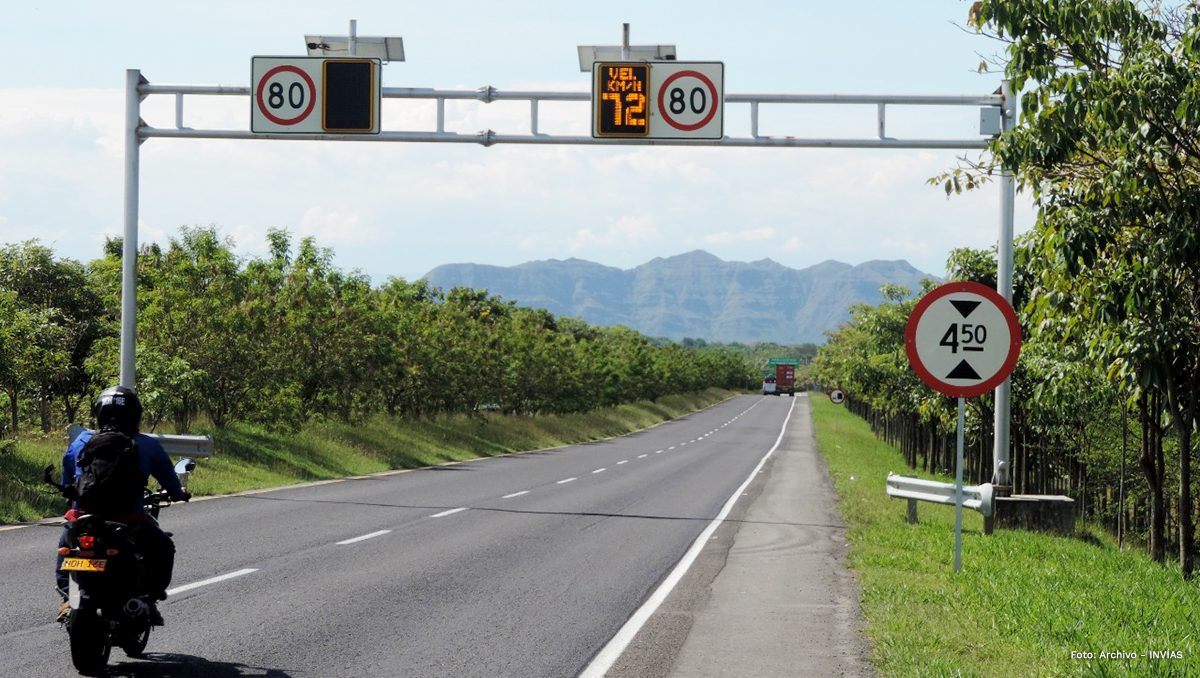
{"x":118,"y":407}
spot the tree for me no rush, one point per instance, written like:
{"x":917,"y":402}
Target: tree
{"x":1109,"y":144}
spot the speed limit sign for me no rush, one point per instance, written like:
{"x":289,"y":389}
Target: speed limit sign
{"x":687,"y":100}
{"x":285,"y":95}
{"x":314,"y":95}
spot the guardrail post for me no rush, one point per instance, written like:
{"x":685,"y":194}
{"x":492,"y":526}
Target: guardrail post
{"x":911,"y":516}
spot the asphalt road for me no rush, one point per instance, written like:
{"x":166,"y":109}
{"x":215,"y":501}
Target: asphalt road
{"x":525,"y":565}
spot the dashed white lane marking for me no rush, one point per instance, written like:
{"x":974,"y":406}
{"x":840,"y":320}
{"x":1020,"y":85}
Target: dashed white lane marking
{"x":565,"y":481}
{"x":622,"y":462}
{"x":363,"y":538}
{"x":206,"y":582}
{"x":515,"y":494}
{"x":612,"y":650}
{"x":448,"y":513}
{"x":669,"y":448}
{"x":643,"y":456}
{"x":600,"y":470}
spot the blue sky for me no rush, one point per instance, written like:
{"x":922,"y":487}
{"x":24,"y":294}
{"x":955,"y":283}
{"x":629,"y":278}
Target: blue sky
{"x":401,"y":209}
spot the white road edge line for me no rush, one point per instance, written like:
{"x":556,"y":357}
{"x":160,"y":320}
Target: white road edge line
{"x":643,"y":456}
{"x":608,"y":655}
{"x":565,"y":481}
{"x":206,"y":582}
{"x":449,"y":513}
{"x":363,"y":538}
{"x":515,"y":494}
{"x":600,"y":470}
{"x":622,"y":462}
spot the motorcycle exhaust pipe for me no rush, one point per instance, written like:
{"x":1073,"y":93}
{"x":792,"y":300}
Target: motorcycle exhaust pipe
{"x":135,"y":607}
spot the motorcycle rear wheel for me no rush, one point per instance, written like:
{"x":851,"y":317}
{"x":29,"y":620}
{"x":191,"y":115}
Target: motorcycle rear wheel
{"x":90,"y":642}
{"x":134,"y":645}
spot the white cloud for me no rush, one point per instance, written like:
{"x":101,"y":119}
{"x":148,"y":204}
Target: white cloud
{"x":628,"y":231}
{"x":332,"y":228}
{"x":793,"y":245}
{"x":906,"y":244}
{"x":733,"y":237}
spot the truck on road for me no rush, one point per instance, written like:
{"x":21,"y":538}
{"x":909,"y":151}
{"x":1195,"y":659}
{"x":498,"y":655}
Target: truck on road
{"x":784,"y":378}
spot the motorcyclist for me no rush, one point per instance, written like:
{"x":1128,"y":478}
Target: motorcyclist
{"x":118,"y":408}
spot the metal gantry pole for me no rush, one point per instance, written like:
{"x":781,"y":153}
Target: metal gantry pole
{"x":1004,"y":285}
{"x":129,"y":244}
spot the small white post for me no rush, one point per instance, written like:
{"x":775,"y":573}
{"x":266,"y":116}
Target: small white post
{"x":353,"y":41}
{"x":625,"y":42}
{"x":133,"y":101}
{"x":958,"y":487}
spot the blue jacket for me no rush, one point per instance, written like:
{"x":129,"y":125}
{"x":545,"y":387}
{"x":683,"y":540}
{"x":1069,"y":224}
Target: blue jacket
{"x":152,"y":461}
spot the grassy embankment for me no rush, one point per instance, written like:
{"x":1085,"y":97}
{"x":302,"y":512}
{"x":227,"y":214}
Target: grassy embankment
{"x":1023,"y":602}
{"x":251,"y":457}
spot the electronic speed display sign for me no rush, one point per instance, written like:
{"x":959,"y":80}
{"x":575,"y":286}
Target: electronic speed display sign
{"x":963,"y":339}
{"x":658,"y":100}
{"x":621,"y":107}
{"x":315,"y":95}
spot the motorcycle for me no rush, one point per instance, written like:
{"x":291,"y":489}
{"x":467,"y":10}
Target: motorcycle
{"x":107,"y":605}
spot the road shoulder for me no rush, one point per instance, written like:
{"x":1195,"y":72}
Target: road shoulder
{"x":771,"y":593}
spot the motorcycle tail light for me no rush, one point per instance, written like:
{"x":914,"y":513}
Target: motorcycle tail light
{"x":87,"y":541}
{"x":63,"y":550}
{"x":111,"y":552}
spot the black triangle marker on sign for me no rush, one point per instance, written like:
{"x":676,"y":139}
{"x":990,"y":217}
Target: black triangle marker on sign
{"x":963,"y":371}
{"x":965,"y":306}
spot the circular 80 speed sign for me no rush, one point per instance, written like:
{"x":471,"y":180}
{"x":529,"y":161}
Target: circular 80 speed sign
{"x":286,"y":95}
{"x":963,"y":339}
{"x":688,"y":100}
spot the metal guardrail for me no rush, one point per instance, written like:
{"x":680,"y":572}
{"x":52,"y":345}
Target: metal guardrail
{"x":175,"y":445}
{"x":975,"y":497}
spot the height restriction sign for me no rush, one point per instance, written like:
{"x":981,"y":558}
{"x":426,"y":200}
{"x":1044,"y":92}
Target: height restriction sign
{"x":963,"y":339}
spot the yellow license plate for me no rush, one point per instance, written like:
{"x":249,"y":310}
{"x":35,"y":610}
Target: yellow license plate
{"x":84,"y":564}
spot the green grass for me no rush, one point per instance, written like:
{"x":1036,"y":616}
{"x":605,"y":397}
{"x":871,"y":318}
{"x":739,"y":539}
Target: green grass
{"x":250,"y":457}
{"x":1023,"y":602}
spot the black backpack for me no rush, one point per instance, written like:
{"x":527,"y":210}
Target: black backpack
{"x":109,"y":480}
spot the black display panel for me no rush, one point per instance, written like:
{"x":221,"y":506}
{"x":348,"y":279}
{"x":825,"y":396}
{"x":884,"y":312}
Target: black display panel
{"x":349,"y":87}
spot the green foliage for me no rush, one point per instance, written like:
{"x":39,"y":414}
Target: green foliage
{"x":1023,"y":602}
{"x":1110,"y":146}
{"x":290,"y":338}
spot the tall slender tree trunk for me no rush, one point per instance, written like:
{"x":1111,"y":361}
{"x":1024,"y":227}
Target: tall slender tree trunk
{"x":12,"y":399}
{"x":1151,"y":462}
{"x":1181,"y":414}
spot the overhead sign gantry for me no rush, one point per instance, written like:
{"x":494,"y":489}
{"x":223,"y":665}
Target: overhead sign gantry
{"x":681,"y":104}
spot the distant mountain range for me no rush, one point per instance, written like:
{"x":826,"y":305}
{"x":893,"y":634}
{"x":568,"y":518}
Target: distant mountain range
{"x":692,"y":295}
